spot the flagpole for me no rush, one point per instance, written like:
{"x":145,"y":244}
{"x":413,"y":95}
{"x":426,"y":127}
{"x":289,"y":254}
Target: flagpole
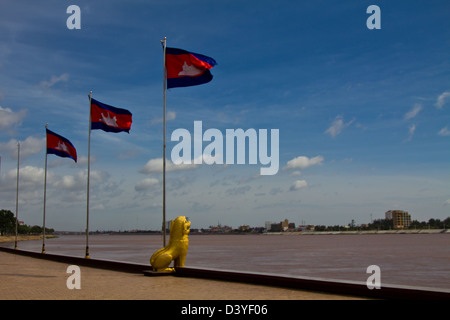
{"x":164,"y":142}
{"x":88,"y":174}
{"x":17,"y":193}
{"x":45,"y":190}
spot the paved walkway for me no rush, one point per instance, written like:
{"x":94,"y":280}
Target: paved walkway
{"x":26,"y":278}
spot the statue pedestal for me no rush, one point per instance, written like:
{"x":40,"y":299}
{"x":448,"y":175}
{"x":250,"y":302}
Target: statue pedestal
{"x":151,"y":273}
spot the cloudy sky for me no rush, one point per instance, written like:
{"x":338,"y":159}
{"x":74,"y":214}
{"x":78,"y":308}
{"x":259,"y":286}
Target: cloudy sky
{"x":363,"y":115}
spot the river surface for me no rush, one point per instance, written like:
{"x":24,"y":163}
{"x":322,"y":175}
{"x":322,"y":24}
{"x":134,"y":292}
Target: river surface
{"x":404,"y":259}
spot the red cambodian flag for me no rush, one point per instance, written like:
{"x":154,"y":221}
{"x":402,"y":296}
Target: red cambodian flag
{"x":186,"y":68}
{"x":108,"y":118}
{"x":60,"y":146}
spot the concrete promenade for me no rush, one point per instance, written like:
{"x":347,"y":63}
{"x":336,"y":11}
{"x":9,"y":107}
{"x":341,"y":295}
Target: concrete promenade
{"x":27,"y":278}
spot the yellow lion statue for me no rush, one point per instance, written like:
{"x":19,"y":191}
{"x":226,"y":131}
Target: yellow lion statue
{"x":175,"y":250}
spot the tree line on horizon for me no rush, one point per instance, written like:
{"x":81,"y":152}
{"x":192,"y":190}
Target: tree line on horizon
{"x":8,"y":225}
{"x":388,"y":224}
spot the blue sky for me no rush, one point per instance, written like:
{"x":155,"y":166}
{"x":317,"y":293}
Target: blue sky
{"x":363,"y":114}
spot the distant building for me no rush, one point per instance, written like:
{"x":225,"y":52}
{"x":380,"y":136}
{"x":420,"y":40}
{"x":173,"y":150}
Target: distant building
{"x":280,"y":227}
{"x":400,"y":218}
{"x":308,"y":227}
{"x":284,"y":225}
{"x":220,"y":229}
{"x":244,"y":228}
{"x":275,"y":227}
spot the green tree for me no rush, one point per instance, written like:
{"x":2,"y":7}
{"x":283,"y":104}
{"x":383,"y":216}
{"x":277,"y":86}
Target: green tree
{"x":382,"y":224}
{"x":446,"y":223}
{"x":23,"y":229}
{"x":7,"y":222}
{"x":36,"y":229}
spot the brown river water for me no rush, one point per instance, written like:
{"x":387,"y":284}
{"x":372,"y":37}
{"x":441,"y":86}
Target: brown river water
{"x":404,"y":259}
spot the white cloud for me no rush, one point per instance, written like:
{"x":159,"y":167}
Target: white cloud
{"x":78,"y":181}
{"x":238,"y":191}
{"x":68,"y":182}
{"x":156,"y":166}
{"x":54,"y":80}
{"x":337,"y":126}
{"x":31,"y":186}
{"x":413,"y":112}
{"x":9,"y":119}
{"x":303,"y":162}
{"x":99,"y":206}
{"x":441,"y":99}
{"x":444,"y":132}
{"x":146,"y":184}
{"x":30,"y":146}
{"x":298,"y":184}
{"x":170,"y":115}
{"x":29,"y":176}
{"x":412,"y":129}
{"x":30,"y":179}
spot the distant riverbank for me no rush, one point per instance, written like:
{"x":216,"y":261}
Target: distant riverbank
{"x":22,"y":237}
{"x":408,"y":231}
{"x":11,"y":238}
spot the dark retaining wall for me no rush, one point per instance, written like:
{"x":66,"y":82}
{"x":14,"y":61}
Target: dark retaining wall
{"x":346,"y":288}
{"x":101,"y":264}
